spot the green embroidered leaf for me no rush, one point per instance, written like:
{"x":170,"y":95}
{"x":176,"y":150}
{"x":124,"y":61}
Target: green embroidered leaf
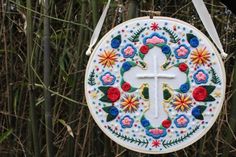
{"x":215,"y":78}
{"x":110,"y":117}
{"x":150,"y":46}
{"x":106,"y":109}
{"x":145,"y":92}
{"x":103,"y":89}
{"x":105,"y":99}
{"x":209,"y":88}
{"x":209,"y":98}
{"x":173,"y":37}
{"x":141,"y":55}
{"x":202,"y":108}
{"x":166,"y":94}
{"x":190,"y":36}
{"x":135,"y":36}
{"x":91,"y":79}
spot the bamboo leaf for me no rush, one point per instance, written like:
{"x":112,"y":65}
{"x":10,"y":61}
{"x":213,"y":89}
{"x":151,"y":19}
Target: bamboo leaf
{"x":5,"y":135}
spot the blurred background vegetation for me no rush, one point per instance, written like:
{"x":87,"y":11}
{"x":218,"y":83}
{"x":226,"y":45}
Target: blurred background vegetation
{"x":43,"y":111}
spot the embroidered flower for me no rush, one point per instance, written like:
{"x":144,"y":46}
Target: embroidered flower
{"x":165,"y":49}
{"x":113,"y":94}
{"x":115,"y":42}
{"x":181,"y":121}
{"x":154,"y":39}
{"x":130,"y":103}
{"x":154,"y":26}
{"x":129,"y":51}
{"x":113,"y":111}
{"x":144,"y":49}
{"x":200,"y":56}
{"x":200,"y":93}
{"x":183,"y":67}
{"x":108,"y":58}
{"x":108,"y":79}
{"x":145,"y":123}
{"x":200,"y":77}
{"x":194,"y":42}
{"x":166,"y":123}
{"x":156,"y":132}
{"x":182,"y":52}
{"x":126,"y":66}
{"x":126,"y":86}
{"x":126,"y":122}
{"x":184,"y":88}
{"x":156,"y":143}
{"x":182,"y":102}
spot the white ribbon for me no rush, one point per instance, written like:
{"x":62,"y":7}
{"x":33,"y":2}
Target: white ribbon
{"x":98,"y":28}
{"x":209,"y":25}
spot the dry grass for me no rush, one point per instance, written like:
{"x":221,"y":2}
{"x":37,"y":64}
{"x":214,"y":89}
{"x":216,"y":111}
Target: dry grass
{"x":71,"y":25}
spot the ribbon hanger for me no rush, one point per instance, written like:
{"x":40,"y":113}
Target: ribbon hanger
{"x":201,"y":10}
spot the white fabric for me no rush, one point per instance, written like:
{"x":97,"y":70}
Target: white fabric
{"x":98,"y":28}
{"x":208,"y":24}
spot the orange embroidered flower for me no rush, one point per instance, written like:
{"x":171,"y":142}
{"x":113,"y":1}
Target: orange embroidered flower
{"x":200,"y":56}
{"x":108,"y":58}
{"x":182,"y":102}
{"x":129,"y":103}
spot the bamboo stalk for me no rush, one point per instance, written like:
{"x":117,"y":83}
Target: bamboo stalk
{"x":34,"y":121}
{"x":133,"y":9}
{"x":47,"y":73}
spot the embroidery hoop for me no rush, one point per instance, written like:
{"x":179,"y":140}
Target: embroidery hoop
{"x":181,"y":146}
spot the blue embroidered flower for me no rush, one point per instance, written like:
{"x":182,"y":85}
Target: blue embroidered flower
{"x":154,"y":39}
{"x":182,"y":52}
{"x":194,"y":42}
{"x":108,"y":79}
{"x":126,"y":122}
{"x":200,"y":77}
{"x":115,"y":42}
{"x":181,"y":121}
{"x":165,"y":49}
{"x":145,"y":122}
{"x":113,"y":111}
{"x":197,"y":112}
{"x":126,"y":66}
{"x":129,"y":51}
{"x":184,"y":88}
{"x":156,"y":132}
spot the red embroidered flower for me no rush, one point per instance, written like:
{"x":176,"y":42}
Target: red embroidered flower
{"x":154,"y":26}
{"x":183,"y":67}
{"x":200,"y":93}
{"x":126,"y":86}
{"x":144,"y":49}
{"x":166,"y":123}
{"x":113,"y":94}
{"x":156,"y":143}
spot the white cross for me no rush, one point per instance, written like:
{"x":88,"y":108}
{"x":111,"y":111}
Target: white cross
{"x":157,"y":86}
{"x":155,"y":77}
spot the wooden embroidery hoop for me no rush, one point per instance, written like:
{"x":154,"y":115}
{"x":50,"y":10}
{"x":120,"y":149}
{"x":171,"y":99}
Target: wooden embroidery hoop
{"x":181,"y":146}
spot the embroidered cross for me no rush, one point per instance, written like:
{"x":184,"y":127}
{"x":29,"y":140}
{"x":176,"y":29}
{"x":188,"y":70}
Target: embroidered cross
{"x":156,"y":77}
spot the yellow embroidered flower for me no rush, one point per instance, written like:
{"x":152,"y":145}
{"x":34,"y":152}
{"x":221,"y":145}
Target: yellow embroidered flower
{"x":200,"y":56}
{"x":108,"y":58}
{"x":182,"y":102}
{"x":129,"y":103}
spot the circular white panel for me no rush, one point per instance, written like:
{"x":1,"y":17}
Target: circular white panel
{"x":155,"y":85}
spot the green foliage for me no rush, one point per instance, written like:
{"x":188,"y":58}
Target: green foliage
{"x":173,"y":37}
{"x":135,"y":36}
{"x":170,"y":143}
{"x":91,"y":79}
{"x":129,"y":139}
{"x":5,"y":135}
{"x":215,"y":78}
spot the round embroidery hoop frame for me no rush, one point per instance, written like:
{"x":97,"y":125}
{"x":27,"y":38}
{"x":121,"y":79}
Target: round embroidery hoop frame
{"x":178,"y":147}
